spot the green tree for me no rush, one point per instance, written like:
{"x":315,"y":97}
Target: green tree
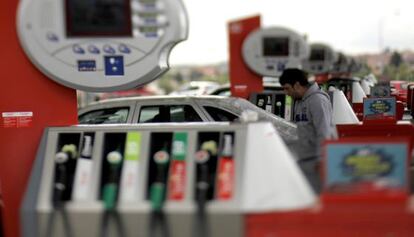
{"x":396,"y":59}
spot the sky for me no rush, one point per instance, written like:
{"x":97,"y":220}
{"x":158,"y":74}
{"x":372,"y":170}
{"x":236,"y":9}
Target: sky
{"x":350,"y":26}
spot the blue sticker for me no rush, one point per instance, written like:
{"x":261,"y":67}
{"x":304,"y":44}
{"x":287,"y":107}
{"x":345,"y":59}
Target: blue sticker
{"x":379,"y":107}
{"x":350,"y":164}
{"x":86,"y":65}
{"x":114,"y":65}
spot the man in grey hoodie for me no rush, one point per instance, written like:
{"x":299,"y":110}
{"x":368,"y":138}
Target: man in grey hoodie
{"x":313,"y":116}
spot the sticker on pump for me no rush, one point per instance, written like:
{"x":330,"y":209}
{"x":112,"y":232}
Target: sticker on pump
{"x":130,"y":176}
{"x":225,"y":184}
{"x":225,"y":175}
{"x":17,"y":119}
{"x":176,"y":185}
{"x":177,"y":180}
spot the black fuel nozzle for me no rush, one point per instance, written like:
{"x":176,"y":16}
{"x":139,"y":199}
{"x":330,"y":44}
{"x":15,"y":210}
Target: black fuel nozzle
{"x":61,"y":184}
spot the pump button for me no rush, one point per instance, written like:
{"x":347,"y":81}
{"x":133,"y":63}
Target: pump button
{"x":124,"y":49}
{"x":108,"y":49}
{"x":52,"y":37}
{"x":93,"y":49}
{"x":78,"y":49}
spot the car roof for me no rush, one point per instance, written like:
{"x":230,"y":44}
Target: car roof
{"x":162,"y":97}
{"x":266,"y":86}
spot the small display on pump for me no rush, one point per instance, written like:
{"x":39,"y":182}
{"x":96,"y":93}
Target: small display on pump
{"x":98,"y":18}
{"x":275,"y":46}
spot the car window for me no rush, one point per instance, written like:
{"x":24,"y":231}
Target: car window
{"x":168,"y":113}
{"x":220,"y":115}
{"x":105,"y":116}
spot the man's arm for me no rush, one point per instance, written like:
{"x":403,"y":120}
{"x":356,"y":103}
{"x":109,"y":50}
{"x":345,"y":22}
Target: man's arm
{"x":321,"y":111}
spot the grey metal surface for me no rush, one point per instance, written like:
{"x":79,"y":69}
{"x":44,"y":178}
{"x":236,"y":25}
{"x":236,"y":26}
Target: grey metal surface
{"x":28,"y":210}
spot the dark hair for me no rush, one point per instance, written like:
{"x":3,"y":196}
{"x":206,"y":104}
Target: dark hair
{"x":293,"y":75}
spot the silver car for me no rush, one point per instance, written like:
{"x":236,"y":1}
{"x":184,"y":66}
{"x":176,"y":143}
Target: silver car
{"x":179,"y":109}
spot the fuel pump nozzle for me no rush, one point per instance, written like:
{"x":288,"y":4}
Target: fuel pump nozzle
{"x":62,"y":162}
{"x":110,"y":193}
{"x":208,"y":149}
{"x":157,"y":189}
{"x":202,"y":157}
{"x":159,"y":226}
{"x":110,"y":190}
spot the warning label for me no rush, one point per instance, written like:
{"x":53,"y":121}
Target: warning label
{"x":16,"y":119}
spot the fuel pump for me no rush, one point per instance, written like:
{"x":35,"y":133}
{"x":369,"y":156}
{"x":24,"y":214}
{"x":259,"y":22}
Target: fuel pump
{"x":277,"y":103}
{"x":269,"y":51}
{"x":101,"y":46}
{"x":321,"y":59}
{"x":341,"y":66}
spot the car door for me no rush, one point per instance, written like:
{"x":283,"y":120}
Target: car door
{"x":108,"y":112}
{"x":164,"y":110}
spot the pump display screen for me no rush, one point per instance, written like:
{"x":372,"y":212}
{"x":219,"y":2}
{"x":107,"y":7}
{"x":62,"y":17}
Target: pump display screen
{"x":98,"y":18}
{"x":317,"y":55}
{"x":275,"y":46}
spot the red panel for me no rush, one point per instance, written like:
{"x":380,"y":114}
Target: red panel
{"x":322,"y":78}
{"x":243,"y":81}
{"x":339,"y":220}
{"x":358,"y":110}
{"x":24,"y":89}
{"x":377,"y":130}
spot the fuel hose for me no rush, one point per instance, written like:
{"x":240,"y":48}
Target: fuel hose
{"x":158,"y":222}
{"x":202,"y":157}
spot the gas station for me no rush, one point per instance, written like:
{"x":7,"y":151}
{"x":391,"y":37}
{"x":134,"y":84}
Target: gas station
{"x":62,"y":178}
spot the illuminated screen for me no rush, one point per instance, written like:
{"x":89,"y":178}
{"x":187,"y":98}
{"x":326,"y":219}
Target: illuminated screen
{"x":275,"y":46}
{"x":317,"y":55}
{"x":98,"y":18}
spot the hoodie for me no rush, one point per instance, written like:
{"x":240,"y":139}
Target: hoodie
{"x":313,"y":116}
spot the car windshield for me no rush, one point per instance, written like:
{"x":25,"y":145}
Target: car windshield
{"x":167,"y":114}
{"x":286,"y":129}
{"x":105,"y":116}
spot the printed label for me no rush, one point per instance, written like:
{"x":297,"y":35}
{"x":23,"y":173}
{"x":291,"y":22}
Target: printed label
{"x":365,"y":168}
{"x":129,"y":176}
{"x":176,"y":185}
{"x":379,"y":108}
{"x":82,"y":182}
{"x":225,"y":179}
{"x":129,"y":181}
{"x":17,"y":119}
